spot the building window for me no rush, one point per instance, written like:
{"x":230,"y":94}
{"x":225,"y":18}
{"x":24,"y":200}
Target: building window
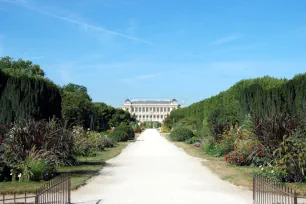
{"x":150,"y":108}
{"x":164,"y":109}
{"x":168,"y":109}
{"x":161,"y":109}
{"x":154,"y":109}
{"x":157,"y":109}
{"x":147,"y":109}
{"x":147,"y":116}
{"x":161,"y":116}
{"x":157,"y":116}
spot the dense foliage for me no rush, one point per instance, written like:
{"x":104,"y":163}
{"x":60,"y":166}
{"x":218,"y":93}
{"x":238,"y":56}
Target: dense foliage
{"x":43,"y":126}
{"x":29,"y":141}
{"x":258,"y":122}
{"x":128,"y":129}
{"x":86,"y":142}
{"x":181,"y":134}
{"x":122,"y":133}
{"x":223,"y":109}
{"x":79,"y":110}
{"x":20,"y":67}
{"x":76,"y":106}
{"x":23,"y":97}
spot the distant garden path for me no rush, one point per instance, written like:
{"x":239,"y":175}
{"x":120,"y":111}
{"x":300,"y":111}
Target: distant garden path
{"x":152,"y":170}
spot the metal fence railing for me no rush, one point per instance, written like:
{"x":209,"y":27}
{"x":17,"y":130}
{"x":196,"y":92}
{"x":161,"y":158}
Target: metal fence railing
{"x":267,"y":191}
{"x":56,"y":191}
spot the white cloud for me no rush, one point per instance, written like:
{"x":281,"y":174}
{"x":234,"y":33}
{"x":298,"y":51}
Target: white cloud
{"x":83,"y":24}
{"x":226,"y":39}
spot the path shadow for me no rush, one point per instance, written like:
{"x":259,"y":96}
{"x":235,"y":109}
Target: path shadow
{"x":98,"y":163}
{"x":110,"y":165}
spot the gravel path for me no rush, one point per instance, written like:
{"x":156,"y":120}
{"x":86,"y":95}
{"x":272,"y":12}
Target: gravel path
{"x":154,"y":171}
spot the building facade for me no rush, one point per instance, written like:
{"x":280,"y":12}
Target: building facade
{"x":150,"y":110}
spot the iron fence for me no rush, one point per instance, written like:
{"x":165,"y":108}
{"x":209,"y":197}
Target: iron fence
{"x":267,"y":191}
{"x":24,"y":198}
{"x":57,"y":191}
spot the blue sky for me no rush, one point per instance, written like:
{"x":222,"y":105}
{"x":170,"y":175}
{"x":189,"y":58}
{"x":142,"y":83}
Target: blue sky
{"x":159,"y":49}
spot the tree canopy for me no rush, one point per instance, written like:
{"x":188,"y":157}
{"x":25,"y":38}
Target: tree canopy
{"x":20,"y":67}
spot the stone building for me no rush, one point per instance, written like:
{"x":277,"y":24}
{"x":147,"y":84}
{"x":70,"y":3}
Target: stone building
{"x":150,"y":110}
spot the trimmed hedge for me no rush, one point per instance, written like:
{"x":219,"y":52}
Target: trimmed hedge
{"x":181,"y":134}
{"x":24,"y":97}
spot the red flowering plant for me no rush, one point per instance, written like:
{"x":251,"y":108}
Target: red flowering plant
{"x":236,"y":158}
{"x":260,"y":155}
{"x":242,"y":149}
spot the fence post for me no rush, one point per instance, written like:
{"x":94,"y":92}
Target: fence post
{"x":253,"y":188}
{"x":295,"y":198}
{"x":36,"y":197}
{"x":69,"y":190}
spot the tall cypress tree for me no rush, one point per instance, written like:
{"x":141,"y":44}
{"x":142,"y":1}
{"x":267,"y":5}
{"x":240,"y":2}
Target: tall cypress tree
{"x":24,"y":97}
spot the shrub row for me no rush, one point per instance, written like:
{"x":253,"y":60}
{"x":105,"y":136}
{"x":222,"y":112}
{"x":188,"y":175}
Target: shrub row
{"x":181,"y":134}
{"x":31,"y":150}
{"x":122,"y":133}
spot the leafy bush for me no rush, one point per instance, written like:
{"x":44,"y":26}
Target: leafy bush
{"x":119,"y":136}
{"x":86,"y":143}
{"x":226,"y":144}
{"x":164,"y":128}
{"x":107,"y":142}
{"x":271,"y":172}
{"x":204,"y":134}
{"x":40,"y":169}
{"x":213,"y":149}
{"x":191,"y":140}
{"x":37,"y":166}
{"x":95,"y":140}
{"x":291,"y":157}
{"x":236,"y":158}
{"x":80,"y":147}
{"x":50,"y":136}
{"x":126,"y":128}
{"x":181,"y":134}
{"x":271,"y":130}
{"x":260,"y":155}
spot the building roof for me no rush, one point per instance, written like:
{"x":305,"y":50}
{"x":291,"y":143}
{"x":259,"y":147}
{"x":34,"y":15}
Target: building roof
{"x":161,"y":102}
{"x":151,"y":102}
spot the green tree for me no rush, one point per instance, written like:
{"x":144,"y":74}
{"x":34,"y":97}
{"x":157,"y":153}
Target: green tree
{"x":20,"y":67}
{"x":103,"y":113}
{"x":77,"y":108}
{"x":120,"y":116}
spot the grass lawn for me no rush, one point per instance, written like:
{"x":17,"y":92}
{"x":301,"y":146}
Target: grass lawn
{"x":87,"y":167}
{"x":240,"y":176}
